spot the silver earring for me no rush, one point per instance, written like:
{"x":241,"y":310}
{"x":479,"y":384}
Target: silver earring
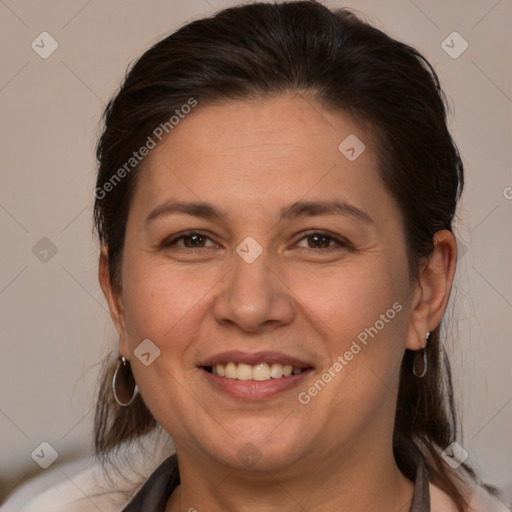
{"x":425,"y":362}
{"x":123,"y":384}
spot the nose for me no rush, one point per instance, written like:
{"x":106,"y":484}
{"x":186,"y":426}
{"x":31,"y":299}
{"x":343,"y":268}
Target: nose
{"x":253,"y":297}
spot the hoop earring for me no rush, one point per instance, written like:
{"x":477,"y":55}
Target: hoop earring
{"x":425,"y":362}
{"x":123,"y":383}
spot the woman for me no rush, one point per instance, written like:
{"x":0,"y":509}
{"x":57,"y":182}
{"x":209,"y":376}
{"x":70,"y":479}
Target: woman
{"x":274,"y":203}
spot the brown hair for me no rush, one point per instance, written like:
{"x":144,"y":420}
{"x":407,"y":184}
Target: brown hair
{"x":347,"y":65}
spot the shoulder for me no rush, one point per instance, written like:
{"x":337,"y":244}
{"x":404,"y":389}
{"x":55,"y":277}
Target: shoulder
{"x":84,"y":484}
{"x":480,"y":501}
{"x":79,"y":486}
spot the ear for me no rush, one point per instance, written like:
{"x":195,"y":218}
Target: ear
{"x":113,"y":296}
{"x":432,"y":291}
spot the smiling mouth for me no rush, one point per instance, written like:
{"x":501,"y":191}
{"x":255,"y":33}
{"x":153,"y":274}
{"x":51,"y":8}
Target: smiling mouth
{"x":258,"y":372}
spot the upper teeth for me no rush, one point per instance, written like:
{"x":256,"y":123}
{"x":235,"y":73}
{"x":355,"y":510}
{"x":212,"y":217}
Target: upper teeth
{"x":261,"y":371}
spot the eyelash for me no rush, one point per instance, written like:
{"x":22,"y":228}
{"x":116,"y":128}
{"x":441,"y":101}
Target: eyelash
{"x":340,"y":243}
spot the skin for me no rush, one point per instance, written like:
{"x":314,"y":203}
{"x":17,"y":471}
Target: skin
{"x":250,"y":159}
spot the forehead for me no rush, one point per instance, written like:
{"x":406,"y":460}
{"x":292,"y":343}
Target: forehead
{"x":263,"y":152}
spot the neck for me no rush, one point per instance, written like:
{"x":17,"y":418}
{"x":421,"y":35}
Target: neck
{"x":359,"y":480}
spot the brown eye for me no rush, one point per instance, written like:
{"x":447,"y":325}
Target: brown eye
{"x":193,"y":240}
{"x":324,"y":242}
{"x":190,"y":240}
{"x":318,"y":241}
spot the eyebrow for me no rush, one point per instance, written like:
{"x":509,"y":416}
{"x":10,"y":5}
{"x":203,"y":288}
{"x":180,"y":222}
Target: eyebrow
{"x":298,"y":209}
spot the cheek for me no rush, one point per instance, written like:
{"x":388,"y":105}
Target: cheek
{"x":159,"y":298}
{"x":347,"y":300}
{"x":364,"y":317}
{"x":363,"y":312}
{"x":161,"y":305}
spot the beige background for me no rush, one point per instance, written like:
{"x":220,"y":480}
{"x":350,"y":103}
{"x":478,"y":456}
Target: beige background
{"x":55,"y":328}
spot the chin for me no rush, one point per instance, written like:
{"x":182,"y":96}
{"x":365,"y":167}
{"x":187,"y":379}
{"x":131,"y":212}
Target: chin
{"x":266,"y":448}
{"x":253,"y":457}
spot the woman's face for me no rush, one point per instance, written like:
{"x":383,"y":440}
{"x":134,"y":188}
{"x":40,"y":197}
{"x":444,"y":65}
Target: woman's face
{"x":296,"y":257}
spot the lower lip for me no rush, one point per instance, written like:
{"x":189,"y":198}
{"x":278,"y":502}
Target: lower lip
{"x":254,"y":389}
